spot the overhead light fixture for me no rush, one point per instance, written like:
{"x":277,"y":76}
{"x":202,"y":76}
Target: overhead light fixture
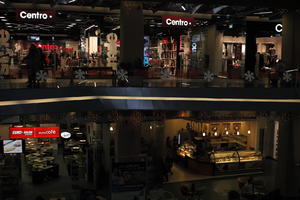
{"x":263,"y":13}
{"x":216,"y":133}
{"x":71,"y":1}
{"x":2,"y":2}
{"x":204,"y":134}
{"x":111,"y":129}
{"x":4,"y":20}
{"x":238,"y":133}
{"x":183,"y":8}
{"x":78,"y":20}
{"x":227,"y":133}
{"x":116,"y":28}
{"x":151,"y":127}
{"x":249,"y":132}
{"x":2,"y":17}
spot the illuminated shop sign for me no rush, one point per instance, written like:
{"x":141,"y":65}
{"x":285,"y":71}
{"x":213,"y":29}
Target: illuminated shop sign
{"x":65,"y":135}
{"x":179,"y":22}
{"x":49,"y":47}
{"x":278,"y":28}
{"x":35,"y":16}
{"x":34,"y":132}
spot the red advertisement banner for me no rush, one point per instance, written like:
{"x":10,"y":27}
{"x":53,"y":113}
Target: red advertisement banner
{"x":34,"y":132}
{"x":178,"y":22}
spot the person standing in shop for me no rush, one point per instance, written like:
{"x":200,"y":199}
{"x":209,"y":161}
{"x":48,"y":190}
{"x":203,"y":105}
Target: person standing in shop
{"x":33,"y":61}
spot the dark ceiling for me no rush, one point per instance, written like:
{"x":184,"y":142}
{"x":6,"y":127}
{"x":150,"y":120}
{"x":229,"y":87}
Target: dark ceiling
{"x":73,"y":22}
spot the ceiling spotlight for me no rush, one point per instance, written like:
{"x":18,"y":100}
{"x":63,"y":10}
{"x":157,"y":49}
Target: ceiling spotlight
{"x":2,"y":17}
{"x":71,"y":1}
{"x":183,"y":8}
{"x":263,"y":13}
{"x":249,"y":132}
{"x":111,"y":129}
{"x":2,"y":2}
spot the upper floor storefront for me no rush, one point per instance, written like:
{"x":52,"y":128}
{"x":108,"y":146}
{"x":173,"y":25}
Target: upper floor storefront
{"x":146,"y":44}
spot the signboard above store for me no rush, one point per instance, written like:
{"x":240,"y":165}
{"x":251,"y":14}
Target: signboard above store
{"x":41,"y":16}
{"x":178,"y":22}
{"x":34,"y":132}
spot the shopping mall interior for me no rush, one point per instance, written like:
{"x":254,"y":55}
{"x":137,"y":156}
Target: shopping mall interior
{"x":149,"y":100}
{"x":203,"y":146}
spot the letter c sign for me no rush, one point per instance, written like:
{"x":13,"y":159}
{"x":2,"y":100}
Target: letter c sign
{"x":278,"y":28}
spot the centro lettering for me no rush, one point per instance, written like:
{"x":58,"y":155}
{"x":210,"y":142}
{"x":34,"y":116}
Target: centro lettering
{"x":37,"y":15}
{"x":177,"y":22}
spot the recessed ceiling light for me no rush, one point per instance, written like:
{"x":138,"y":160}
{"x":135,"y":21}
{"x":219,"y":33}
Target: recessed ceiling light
{"x":263,"y":13}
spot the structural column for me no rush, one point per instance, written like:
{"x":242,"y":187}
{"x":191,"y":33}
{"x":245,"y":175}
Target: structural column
{"x":287,"y":180}
{"x":291,"y":40}
{"x":251,"y":47}
{"x":214,"y":49}
{"x":132,"y":33}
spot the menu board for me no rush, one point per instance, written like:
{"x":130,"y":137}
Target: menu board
{"x":12,"y":146}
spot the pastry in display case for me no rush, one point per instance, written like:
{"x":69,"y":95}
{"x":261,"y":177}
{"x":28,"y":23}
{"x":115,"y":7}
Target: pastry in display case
{"x":250,"y":156}
{"x":187,"y":149}
{"x":224,"y":157}
{"x":229,"y":161}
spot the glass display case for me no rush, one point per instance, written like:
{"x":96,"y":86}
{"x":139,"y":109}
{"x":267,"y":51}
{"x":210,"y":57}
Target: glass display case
{"x":224,"y":157}
{"x":233,"y":161}
{"x":187,"y":149}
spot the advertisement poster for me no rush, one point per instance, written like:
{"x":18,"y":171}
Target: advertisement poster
{"x":128,"y":181}
{"x":12,"y":146}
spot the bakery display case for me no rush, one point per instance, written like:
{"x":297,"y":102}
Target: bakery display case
{"x":187,"y":149}
{"x":224,"y":157}
{"x":236,"y":161}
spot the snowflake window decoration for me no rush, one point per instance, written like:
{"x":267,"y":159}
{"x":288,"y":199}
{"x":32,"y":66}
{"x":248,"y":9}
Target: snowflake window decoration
{"x":41,"y":76}
{"x":208,"y":76}
{"x":165,"y":74}
{"x":122,"y":75}
{"x":249,"y":76}
{"x":287,"y":77}
{"x":79,"y":74}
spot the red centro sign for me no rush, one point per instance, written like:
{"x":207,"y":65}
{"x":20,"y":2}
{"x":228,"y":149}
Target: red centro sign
{"x":34,"y":132}
{"x":35,"y":15}
{"x":179,"y":22}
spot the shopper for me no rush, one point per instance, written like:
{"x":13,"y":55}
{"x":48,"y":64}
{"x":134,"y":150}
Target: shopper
{"x":33,"y":61}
